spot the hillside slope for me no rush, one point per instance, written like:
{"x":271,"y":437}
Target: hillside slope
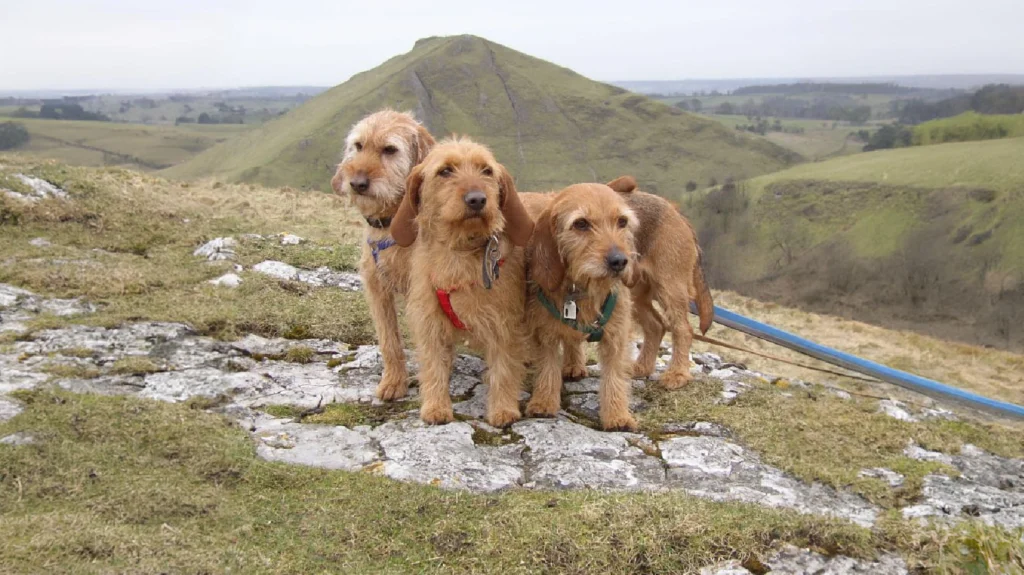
{"x":550,"y":125}
{"x":928,"y":237}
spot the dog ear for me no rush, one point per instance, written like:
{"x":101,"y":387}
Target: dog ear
{"x":337,"y":180}
{"x":518,"y":223}
{"x":623,"y":184}
{"x":546,"y":266}
{"x":403,"y":225}
{"x":424,"y":143}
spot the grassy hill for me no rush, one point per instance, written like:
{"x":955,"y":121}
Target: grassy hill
{"x":549,"y":125}
{"x":930,"y":237}
{"x":109,"y":143}
{"x":969,"y":126}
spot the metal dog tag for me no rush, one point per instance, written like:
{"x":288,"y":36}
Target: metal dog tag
{"x":492,"y":259}
{"x":569,"y":309}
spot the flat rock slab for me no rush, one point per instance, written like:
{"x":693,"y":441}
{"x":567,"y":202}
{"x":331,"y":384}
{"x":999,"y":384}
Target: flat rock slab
{"x":330,"y":447}
{"x":714,"y":468}
{"x":8,"y":408}
{"x":989,"y":488}
{"x":792,"y":560}
{"x":567,"y":455}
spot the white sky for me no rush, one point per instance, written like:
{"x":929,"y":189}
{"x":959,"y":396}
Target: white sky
{"x":141,"y":44}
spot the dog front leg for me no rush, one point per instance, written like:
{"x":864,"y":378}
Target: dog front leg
{"x":546,"y":399}
{"x":613,"y":394}
{"x":394,"y":382}
{"x":506,"y":370}
{"x":435,"y":352}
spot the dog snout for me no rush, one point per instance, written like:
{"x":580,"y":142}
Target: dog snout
{"x":616,"y":260}
{"x":360,"y":183}
{"x":475,"y":200}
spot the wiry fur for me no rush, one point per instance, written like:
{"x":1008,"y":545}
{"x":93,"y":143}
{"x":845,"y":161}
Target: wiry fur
{"x":562,"y":258}
{"x":448,"y":254}
{"x":387,"y":173}
{"x":669,"y":272}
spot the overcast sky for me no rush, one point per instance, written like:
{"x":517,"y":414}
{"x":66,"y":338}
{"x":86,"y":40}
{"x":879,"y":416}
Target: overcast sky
{"x":141,"y":44}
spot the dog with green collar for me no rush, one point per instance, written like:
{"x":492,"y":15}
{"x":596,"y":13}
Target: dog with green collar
{"x":580,"y":261}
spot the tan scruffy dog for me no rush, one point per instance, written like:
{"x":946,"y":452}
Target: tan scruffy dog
{"x":669,"y":271}
{"x":579,"y":259}
{"x":467,"y":276}
{"x":380,"y":151}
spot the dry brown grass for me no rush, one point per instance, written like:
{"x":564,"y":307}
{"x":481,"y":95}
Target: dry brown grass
{"x":993,"y":373}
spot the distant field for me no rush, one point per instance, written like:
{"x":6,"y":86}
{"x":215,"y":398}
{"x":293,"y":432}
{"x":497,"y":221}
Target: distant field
{"x":110,"y":143}
{"x":880,"y":103}
{"x":969,"y":126}
{"x":993,"y":164}
{"x":819,"y":140}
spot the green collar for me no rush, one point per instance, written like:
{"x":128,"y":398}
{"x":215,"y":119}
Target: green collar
{"x":594,"y":332}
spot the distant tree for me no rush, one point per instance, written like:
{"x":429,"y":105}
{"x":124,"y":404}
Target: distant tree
{"x":712,"y":182}
{"x":696,"y":105}
{"x":683,"y":105}
{"x":725,"y":108}
{"x":184,"y":120}
{"x":891,"y":136}
{"x":12,"y":135}
{"x":691,"y":186}
{"x":205,"y":118}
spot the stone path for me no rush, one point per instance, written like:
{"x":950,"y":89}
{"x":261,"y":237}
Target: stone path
{"x":699,"y":458}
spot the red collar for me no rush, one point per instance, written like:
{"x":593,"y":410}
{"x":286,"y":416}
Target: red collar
{"x":444,"y":299}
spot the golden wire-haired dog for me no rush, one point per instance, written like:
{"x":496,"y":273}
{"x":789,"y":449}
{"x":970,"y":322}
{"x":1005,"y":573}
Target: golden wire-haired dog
{"x":467,"y":273}
{"x":668,"y":271}
{"x":380,"y":151}
{"x":579,"y":259}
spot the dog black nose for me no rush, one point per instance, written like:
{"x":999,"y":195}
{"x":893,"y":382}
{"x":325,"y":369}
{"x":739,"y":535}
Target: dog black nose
{"x":476,"y":200}
{"x":360,"y":183}
{"x":616,"y":260}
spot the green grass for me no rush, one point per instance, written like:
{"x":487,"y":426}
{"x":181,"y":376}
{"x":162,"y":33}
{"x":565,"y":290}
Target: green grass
{"x":564,"y":128}
{"x":969,"y":126}
{"x":169,"y":488}
{"x":116,"y":144}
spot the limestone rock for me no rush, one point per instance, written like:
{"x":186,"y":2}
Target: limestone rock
{"x":716,"y":469}
{"x":889,"y":476}
{"x":217,"y":249}
{"x":895,"y":410}
{"x":18,"y":439}
{"x":277,"y":269}
{"x":445,"y":455}
{"x":40,"y":243}
{"x":567,"y":455}
{"x":791,"y":560}
{"x":227,"y":280}
{"x":330,"y":447}
{"x":291,"y":240}
{"x":8,"y":408}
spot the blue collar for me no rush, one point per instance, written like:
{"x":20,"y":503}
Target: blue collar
{"x":377,"y":246}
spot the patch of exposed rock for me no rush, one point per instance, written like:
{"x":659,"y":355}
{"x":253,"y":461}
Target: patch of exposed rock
{"x":38,"y":189}
{"x":699,"y":458}
{"x":320,"y":277}
{"x":18,"y":306}
{"x":795,"y":561}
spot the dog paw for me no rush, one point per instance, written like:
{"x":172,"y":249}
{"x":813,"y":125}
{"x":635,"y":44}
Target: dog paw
{"x":620,"y":422}
{"x":542,"y":408}
{"x":574,"y":372}
{"x":436,"y":414}
{"x":640,"y":371}
{"x":674,"y":379}
{"x":503,"y":417}
{"x":391,"y":388}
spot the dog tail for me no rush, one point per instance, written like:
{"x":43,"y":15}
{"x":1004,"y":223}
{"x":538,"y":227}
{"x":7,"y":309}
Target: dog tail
{"x":701,"y":293}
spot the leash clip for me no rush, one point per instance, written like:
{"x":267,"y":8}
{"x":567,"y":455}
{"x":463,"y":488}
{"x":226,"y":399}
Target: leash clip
{"x":491,"y":266}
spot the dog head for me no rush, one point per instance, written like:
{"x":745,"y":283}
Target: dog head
{"x":460,"y":194}
{"x":380,"y":150}
{"x":585,"y":235}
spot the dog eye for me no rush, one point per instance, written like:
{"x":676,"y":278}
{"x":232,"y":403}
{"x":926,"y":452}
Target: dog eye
{"x":488,"y":171}
{"x":623,"y":221}
{"x":581,"y":225}
{"x":359,"y":147}
{"x":445,"y":172}
{"x":390,"y":150}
